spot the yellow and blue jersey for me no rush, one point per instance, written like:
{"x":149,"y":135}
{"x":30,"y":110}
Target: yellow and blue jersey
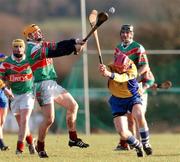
{"x":3,"y":98}
{"x":2,"y":58}
{"x":123,"y":85}
{"x":125,"y":91}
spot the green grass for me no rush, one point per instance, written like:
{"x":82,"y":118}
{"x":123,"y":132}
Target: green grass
{"x":166,"y":148}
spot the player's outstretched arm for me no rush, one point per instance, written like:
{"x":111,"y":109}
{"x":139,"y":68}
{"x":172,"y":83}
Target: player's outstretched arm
{"x":66,"y":47}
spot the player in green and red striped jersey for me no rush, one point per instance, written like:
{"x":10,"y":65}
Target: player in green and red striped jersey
{"x":136,"y":52}
{"x":17,"y":72}
{"x":40,"y":54}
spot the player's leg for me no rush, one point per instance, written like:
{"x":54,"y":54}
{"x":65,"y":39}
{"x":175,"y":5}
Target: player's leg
{"x":22,"y":115}
{"x":48,"y":119}
{"x":22,"y":119}
{"x":139,"y":115}
{"x":20,"y":145}
{"x":44,"y":96}
{"x":66,"y":100}
{"x":121,"y":126}
{"x":119,"y":108}
{"x":144,"y":98}
{"x":3,"y":114}
{"x":133,"y":125}
{"x":30,"y":99}
{"x":30,"y":142}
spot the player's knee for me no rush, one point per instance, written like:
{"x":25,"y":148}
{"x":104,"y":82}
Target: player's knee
{"x":138,"y":114}
{"x":131,"y":123}
{"x":50,"y":121}
{"x":124,"y":134}
{"x":74,"y":107}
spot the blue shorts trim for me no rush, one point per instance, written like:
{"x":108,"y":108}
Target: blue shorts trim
{"x":121,"y":106}
{"x":3,"y":100}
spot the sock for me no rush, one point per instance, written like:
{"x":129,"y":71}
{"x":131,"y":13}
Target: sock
{"x":20,"y":146}
{"x":2,"y":143}
{"x":132,"y":141}
{"x":29,"y":139}
{"x":40,"y":146}
{"x":123,"y":143}
{"x":73,"y":135}
{"x":144,"y":133}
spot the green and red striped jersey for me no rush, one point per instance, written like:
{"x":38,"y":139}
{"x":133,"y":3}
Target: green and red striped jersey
{"x":18,"y":74}
{"x":42,"y":67}
{"x":134,"y":51}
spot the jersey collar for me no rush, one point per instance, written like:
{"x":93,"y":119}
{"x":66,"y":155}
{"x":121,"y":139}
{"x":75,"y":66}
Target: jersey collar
{"x":127,"y":44}
{"x":15,"y":59}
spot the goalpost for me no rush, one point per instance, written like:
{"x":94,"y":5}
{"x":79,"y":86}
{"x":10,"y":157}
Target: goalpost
{"x":85,"y":71}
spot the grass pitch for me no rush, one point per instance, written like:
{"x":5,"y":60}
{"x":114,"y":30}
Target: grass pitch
{"x":166,"y":148}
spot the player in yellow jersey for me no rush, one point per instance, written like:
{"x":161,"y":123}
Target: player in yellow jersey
{"x":125,"y":99}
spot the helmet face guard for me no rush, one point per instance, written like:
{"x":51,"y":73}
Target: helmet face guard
{"x":37,"y":35}
{"x":33,"y":32}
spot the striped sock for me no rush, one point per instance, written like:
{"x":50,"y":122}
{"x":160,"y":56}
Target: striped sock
{"x":144,"y":133}
{"x":132,"y":141}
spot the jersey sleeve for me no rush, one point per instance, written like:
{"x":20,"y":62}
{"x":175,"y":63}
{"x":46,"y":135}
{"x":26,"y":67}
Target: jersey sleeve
{"x":148,"y":78}
{"x":2,"y":76}
{"x":143,"y":60}
{"x":2,"y":84}
{"x":39,"y":52}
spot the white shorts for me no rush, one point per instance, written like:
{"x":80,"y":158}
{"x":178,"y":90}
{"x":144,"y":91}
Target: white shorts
{"x":23,"y":101}
{"x":144,"y":98}
{"x":46,"y":91}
